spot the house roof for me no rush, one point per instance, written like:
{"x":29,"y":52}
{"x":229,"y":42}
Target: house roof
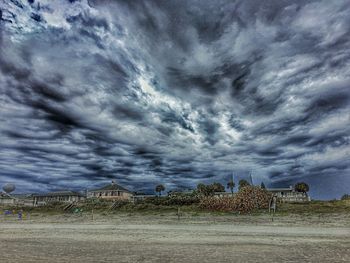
{"x":5,"y":196}
{"x":60,"y":193}
{"x":111,"y":187}
{"x":22,"y":196}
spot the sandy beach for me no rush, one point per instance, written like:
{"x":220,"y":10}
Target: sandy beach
{"x":147,"y":239}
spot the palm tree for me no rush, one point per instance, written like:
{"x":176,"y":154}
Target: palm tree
{"x":217,"y":187}
{"x":231,"y":185}
{"x":302,"y":187}
{"x":242,"y":183}
{"x":159,"y":189}
{"x":204,"y":190}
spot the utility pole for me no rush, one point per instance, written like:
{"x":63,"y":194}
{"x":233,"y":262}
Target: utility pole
{"x":251,"y":178}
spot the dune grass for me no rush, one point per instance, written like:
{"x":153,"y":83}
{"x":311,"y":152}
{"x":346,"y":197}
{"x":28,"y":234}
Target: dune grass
{"x":315,"y":207}
{"x":310,"y":208}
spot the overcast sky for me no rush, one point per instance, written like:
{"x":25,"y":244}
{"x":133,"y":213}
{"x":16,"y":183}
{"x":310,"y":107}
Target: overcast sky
{"x":175,"y":92}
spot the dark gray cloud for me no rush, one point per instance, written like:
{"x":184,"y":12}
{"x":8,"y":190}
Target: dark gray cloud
{"x":177,"y":92}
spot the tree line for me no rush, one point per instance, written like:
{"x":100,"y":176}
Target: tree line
{"x":211,"y":189}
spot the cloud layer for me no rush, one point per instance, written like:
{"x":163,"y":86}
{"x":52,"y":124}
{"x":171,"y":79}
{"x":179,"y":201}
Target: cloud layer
{"x":174,"y":92}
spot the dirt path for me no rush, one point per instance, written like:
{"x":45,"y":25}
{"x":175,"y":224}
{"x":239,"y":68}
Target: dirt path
{"x":171,"y":243}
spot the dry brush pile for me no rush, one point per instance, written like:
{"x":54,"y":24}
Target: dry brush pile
{"x":246,"y":200}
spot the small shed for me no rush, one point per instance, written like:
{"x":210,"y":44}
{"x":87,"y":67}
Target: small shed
{"x":24,"y":199}
{"x":6,"y":199}
{"x":288,"y":194}
{"x":222,"y":194}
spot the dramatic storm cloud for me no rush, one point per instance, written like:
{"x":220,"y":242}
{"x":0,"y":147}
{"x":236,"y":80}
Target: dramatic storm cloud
{"x":175,"y":92}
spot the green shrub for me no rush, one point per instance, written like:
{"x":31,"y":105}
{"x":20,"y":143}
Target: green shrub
{"x":345,"y":197}
{"x":173,"y":200}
